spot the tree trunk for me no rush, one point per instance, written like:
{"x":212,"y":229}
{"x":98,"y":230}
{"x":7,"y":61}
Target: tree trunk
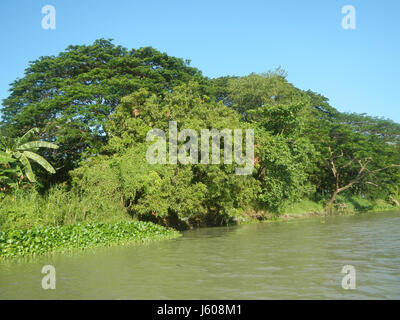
{"x":395,"y":201}
{"x":332,"y":199}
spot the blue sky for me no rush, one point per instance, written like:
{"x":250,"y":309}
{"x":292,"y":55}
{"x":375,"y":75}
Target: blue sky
{"x":357,"y":69}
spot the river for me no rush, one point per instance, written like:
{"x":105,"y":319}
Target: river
{"x":296,"y":259}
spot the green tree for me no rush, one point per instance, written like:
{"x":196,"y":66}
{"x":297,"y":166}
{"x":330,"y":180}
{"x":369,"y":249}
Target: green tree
{"x":350,"y":159}
{"x":69,"y":97}
{"x":277,"y":111}
{"x":201,"y":194}
{"x":258,"y":90}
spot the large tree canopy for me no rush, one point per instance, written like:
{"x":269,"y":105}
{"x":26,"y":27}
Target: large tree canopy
{"x":70,"y":96}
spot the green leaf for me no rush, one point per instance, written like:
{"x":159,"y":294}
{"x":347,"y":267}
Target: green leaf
{"x":37,"y":144}
{"x":27,"y":168}
{"x":40,"y":160}
{"x":29,"y":134}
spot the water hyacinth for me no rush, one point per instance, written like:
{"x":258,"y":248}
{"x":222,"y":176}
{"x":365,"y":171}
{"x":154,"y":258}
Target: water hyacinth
{"x":39,"y":240}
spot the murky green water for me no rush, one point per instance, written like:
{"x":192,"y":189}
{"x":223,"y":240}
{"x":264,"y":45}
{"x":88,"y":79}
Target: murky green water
{"x":300,"y":259}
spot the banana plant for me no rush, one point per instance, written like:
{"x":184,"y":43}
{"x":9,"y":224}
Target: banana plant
{"x":23,"y":149}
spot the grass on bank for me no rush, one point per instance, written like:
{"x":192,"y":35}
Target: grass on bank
{"x":25,"y":209}
{"x":350,"y":205}
{"x":31,"y":223}
{"x":307,"y":207}
{"x":303,"y":207}
{"x":39,"y":240}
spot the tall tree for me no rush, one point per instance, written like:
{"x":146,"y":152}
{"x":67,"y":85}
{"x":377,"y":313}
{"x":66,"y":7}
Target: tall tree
{"x":69,"y":97}
{"x":351,"y":160}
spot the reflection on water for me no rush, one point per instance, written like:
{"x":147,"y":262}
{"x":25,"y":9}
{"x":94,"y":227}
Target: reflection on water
{"x":299,"y":259}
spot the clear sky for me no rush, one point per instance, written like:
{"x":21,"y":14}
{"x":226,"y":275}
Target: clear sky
{"x":358,"y":70}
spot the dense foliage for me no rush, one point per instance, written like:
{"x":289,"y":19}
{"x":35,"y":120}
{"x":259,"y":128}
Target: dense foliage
{"x":98,"y":102}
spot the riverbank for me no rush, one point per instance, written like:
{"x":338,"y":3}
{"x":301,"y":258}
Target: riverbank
{"x":307,"y":208}
{"x":41,"y":240}
{"x":303,"y":215}
{"x":46,"y":228}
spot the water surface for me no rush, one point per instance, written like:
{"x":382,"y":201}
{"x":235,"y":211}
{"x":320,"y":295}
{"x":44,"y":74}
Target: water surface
{"x":298,"y":259}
